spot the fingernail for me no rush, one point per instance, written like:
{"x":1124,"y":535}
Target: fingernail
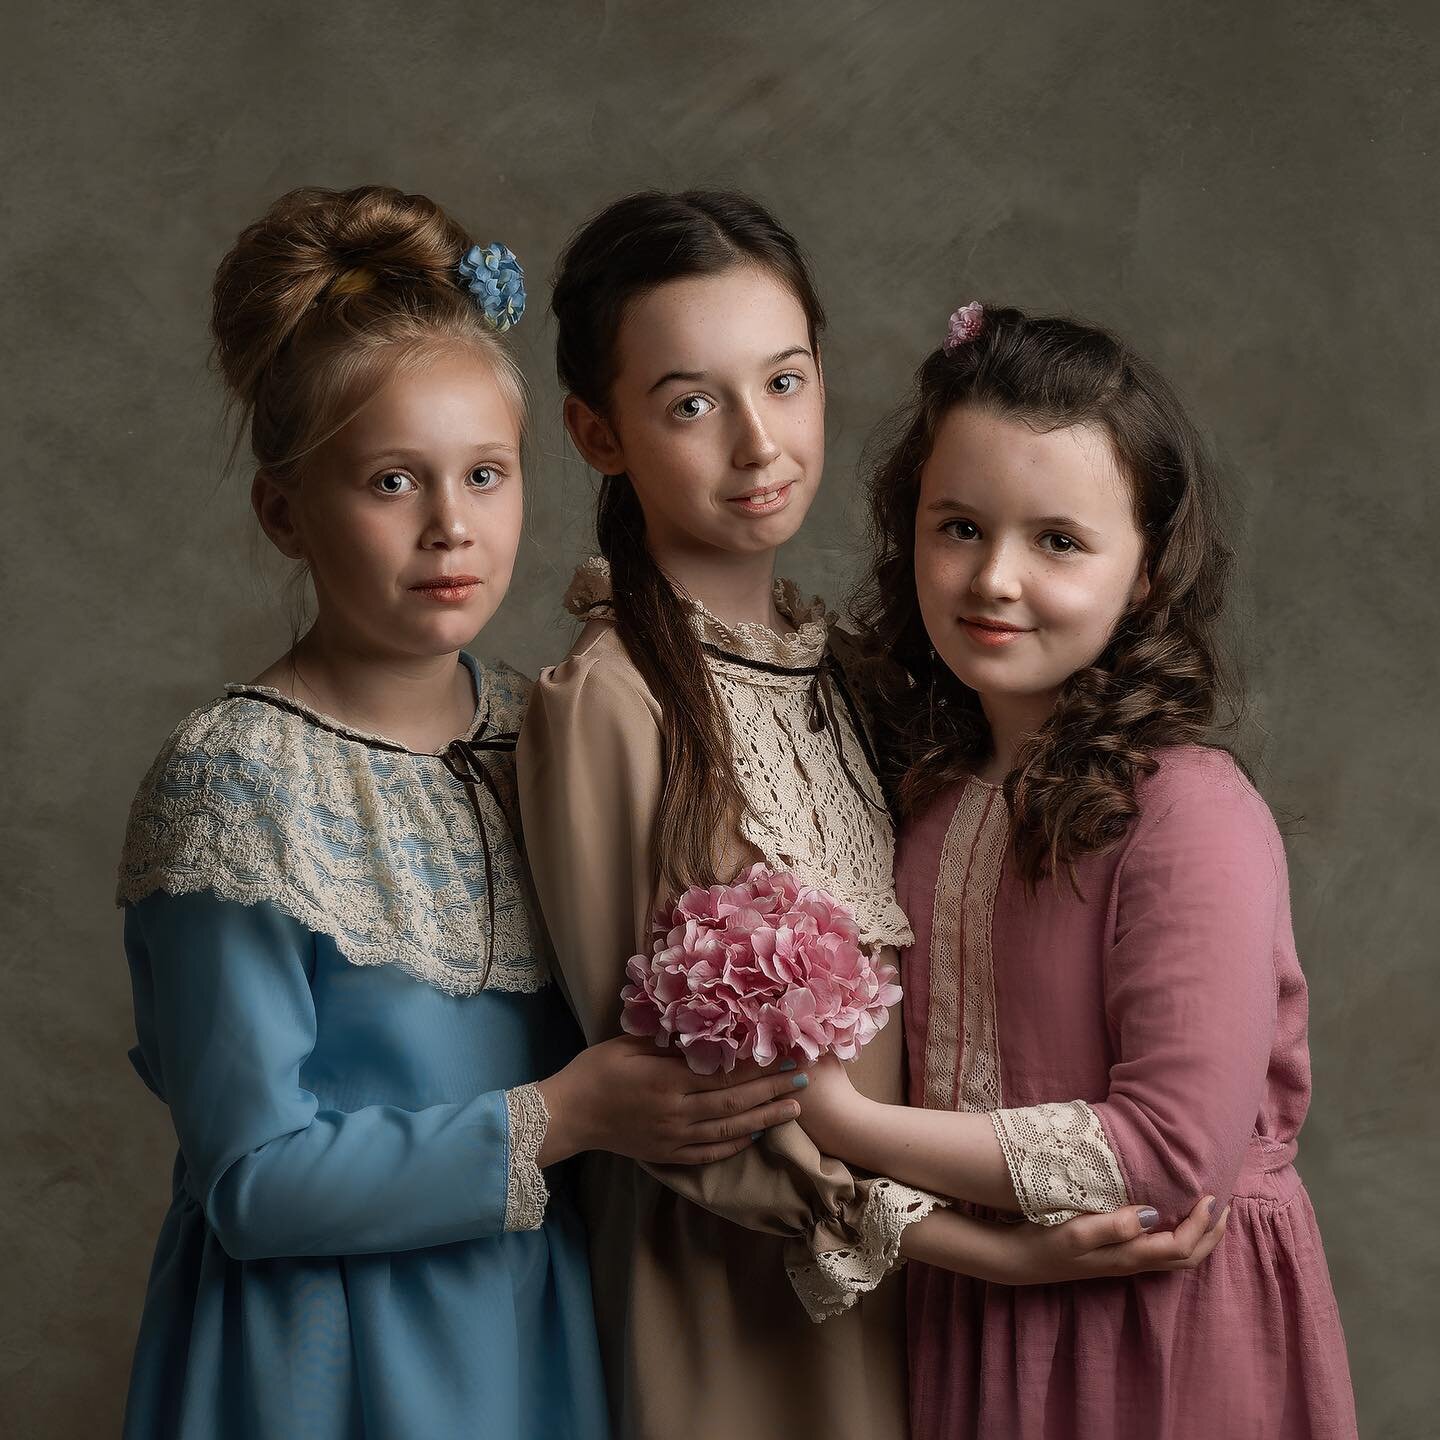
{"x":800,"y":1081}
{"x":1213,"y":1204}
{"x":1149,"y":1218}
{"x":787,"y":1064}
{"x":756,"y":1134}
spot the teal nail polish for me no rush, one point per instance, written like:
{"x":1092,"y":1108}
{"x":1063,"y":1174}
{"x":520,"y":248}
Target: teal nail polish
{"x":787,"y":1064}
{"x":800,"y":1081}
{"x":1149,"y":1218}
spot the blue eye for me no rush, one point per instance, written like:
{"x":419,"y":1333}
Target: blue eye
{"x":394,"y":482}
{"x":685,"y":409}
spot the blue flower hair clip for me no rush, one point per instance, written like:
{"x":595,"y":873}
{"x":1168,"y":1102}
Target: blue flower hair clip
{"x":492,"y":274}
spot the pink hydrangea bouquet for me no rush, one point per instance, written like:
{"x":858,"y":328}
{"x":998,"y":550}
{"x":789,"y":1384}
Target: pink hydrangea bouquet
{"x":764,"y":969}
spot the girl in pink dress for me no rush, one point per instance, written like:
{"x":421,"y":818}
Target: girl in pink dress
{"x":1103,"y":1004}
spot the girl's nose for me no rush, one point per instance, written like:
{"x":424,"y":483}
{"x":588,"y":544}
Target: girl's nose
{"x":447,"y":526}
{"x":755,"y":447}
{"x":998,"y":577}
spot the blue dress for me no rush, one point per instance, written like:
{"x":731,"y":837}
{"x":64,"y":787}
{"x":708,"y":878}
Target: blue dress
{"x":341,"y":992}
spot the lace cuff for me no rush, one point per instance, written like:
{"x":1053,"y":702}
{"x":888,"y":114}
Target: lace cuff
{"x":525,"y":1190}
{"x":1060,"y":1162}
{"x":829,"y":1283}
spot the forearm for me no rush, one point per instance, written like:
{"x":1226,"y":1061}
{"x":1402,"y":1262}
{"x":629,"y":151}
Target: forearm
{"x":962,"y":1244}
{"x":367,"y":1181}
{"x":952,"y":1153}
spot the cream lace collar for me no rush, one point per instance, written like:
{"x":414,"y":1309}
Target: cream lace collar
{"x":260,"y":799}
{"x":590,"y":596}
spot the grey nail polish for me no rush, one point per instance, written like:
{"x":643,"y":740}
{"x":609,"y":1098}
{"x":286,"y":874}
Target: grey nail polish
{"x":1214,"y":1211}
{"x":1149,"y":1218}
{"x":800,"y":1081}
{"x":787,"y":1064}
{"x":756,"y":1134}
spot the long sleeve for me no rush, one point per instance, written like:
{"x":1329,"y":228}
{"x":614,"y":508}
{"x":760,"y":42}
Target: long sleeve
{"x":1190,"y":995}
{"x":226,"y":1022}
{"x":589,"y":764}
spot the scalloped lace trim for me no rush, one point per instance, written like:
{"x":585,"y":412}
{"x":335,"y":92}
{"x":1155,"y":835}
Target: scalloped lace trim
{"x":830,"y":1282}
{"x":1060,"y":1162}
{"x":376,"y":848}
{"x":526,"y":1194}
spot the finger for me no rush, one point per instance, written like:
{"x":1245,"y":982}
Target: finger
{"x":708,"y":1154}
{"x":736,"y":1099}
{"x":1208,"y":1241}
{"x":742,"y":1074}
{"x":748,"y":1122}
{"x":1178,"y":1249}
{"x":1088,"y":1233}
{"x":1191,"y":1231}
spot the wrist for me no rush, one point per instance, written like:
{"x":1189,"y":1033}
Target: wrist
{"x":571,"y":1126}
{"x":866,"y":1130}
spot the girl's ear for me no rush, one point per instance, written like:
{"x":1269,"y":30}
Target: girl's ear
{"x":1141,"y":588}
{"x":593,"y":437}
{"x":272,"y":505}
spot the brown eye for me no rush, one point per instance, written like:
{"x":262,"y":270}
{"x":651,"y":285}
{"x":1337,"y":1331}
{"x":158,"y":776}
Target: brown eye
{"x":961,"y":529}
{"x":691,"y":407}
{"x":1059,"y":544}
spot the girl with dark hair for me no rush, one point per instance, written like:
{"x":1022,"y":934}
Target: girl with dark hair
{"x":342,"y":987}
{"x":704,"y":720}
{"x":1103,"y":1001}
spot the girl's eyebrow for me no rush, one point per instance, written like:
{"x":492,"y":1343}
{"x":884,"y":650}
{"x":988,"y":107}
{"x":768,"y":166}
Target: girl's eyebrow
{"x":1056,"y":522}
{"x":693,"y":375}
{"x":487,"y":447}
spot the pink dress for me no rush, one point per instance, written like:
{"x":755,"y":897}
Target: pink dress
{"x":1145,"y":1044}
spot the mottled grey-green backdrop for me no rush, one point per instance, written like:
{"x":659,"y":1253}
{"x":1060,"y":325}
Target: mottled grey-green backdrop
{"x":1246,"y":189}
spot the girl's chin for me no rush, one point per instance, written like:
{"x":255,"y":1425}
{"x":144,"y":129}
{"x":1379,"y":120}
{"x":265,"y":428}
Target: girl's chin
{"x":745,"y":534}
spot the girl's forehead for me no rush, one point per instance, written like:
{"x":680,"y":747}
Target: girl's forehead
{"x":984,"y":458}
{"x":454,"y":394}
{"x":739,"y":316}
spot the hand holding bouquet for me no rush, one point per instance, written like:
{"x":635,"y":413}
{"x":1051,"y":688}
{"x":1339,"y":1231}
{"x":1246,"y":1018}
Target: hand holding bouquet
{"x":764,"y":969}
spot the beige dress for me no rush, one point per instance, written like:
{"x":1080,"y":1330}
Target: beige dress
{"x":782,"y":1328}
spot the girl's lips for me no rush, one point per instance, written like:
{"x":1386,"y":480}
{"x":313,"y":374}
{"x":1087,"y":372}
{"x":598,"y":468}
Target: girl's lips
{"x":993,"y":636}
{"x":764,"y":502}
{"x":448,"y":589}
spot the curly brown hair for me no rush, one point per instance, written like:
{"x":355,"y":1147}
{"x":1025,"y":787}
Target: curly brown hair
{"x":1160,"y":680}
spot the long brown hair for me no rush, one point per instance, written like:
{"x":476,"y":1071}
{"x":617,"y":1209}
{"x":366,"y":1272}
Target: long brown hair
{"x":1160,"y":680}
{"x":626,"y":251}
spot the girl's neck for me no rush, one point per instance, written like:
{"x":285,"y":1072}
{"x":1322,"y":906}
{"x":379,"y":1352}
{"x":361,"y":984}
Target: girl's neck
{"x":736,"y":589}
{"x":421,"y":701}
{"x":1013,"y":719}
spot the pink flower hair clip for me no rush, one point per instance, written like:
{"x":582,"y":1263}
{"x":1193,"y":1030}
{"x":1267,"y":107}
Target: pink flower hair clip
{"x":965,"y":324}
